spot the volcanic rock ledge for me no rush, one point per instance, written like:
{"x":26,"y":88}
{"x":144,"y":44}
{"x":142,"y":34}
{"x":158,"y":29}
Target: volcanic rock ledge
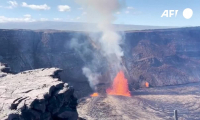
{"x":36,"y":95}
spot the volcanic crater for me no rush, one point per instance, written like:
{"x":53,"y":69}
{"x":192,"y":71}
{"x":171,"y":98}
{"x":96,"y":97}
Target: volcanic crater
{"x":161,"y":71}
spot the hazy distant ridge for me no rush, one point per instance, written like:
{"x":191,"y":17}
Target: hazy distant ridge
{"x":72,"y":26}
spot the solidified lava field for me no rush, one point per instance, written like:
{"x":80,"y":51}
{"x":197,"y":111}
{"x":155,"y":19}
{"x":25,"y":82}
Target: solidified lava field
{"x":145,"y":104}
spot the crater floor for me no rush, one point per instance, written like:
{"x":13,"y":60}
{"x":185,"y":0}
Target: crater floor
{"x":145,"y":104}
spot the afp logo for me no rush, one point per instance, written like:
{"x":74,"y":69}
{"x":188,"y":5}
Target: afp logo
{"x":187,"y":13}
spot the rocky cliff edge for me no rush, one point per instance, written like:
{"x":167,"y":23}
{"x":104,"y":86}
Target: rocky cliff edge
{"x":35,"y":95}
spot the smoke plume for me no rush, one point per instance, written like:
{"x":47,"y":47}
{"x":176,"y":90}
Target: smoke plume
{"x":108,"y":44}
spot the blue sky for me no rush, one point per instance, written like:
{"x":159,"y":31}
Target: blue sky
{"x":136,"y":12}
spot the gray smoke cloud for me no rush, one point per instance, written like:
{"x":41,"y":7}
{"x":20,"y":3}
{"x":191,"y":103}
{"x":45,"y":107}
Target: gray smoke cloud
{"x":108,"y":44}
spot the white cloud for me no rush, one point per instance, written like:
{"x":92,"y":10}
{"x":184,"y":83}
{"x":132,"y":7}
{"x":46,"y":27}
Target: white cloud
{"x":44,"y":19}
{"x":4,"y":19}
{"x":63,"y":8}
{"x":127,"y":12}
{"x":130,"y":8}
{"x":12,"y":4}
{"x":57,"y":19}
{"x":36,"y":7}
{"x":27,"y":16}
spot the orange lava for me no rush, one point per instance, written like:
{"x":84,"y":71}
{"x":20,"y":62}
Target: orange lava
{"x":147,"y":84}
{"x":120,"y":86}
{"x":94,"y":95}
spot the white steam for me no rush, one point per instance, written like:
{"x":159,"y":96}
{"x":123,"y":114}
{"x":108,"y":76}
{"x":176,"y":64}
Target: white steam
{"x":102,"y":13}
{"x":92,"y":77}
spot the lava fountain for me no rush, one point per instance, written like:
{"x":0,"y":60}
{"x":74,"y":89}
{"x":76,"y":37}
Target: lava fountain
{"x":120,"y":86}
{"x":147,"y":84}
{"x":94,"y":95}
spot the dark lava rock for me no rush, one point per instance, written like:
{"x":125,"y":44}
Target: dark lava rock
{"x":24,"y":96}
